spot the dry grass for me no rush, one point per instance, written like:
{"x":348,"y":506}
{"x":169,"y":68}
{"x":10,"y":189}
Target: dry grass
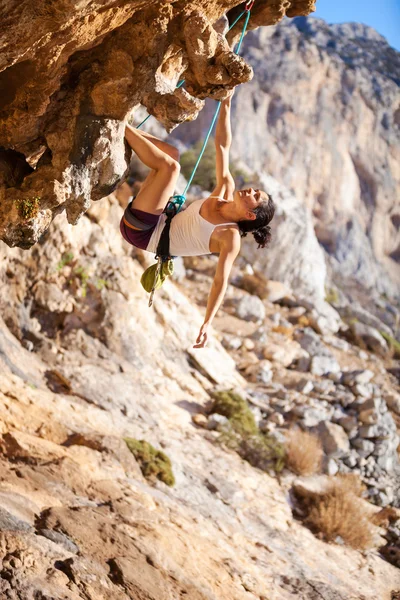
{"x":338,"y":513}
{"x":303,"y":452}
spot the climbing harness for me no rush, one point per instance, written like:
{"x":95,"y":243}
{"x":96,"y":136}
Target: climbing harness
{"x":155,"y":275}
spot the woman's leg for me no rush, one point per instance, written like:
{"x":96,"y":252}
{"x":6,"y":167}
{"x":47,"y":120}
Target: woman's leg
{"x":164,"y":146}
{"x":159,"y":185}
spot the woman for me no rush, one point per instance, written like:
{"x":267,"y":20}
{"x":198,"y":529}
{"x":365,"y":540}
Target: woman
{"x":213,"y":225}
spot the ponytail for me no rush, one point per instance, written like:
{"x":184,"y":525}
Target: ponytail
{"x":259,"y":226}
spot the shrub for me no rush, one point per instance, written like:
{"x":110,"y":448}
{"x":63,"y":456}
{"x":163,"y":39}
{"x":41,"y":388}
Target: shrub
{"x":235,"y":408}
{"x":337,"y":513}
{"x":303,"y":452}
{"x":153,"y":463}
{"x":242,"y":434}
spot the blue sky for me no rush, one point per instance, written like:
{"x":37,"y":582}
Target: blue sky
{"x":384,"y":15}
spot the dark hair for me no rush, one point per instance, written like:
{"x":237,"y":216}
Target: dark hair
{"x":259,"y":226}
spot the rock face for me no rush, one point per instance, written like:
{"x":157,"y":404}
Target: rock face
{"x":74,"y":76}
{"x":322,"y":117}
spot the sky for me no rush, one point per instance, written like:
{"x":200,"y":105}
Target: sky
{"x":382,"y":15}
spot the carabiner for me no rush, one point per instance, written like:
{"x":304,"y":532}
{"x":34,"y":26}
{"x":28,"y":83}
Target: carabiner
{"x":249,"y":5}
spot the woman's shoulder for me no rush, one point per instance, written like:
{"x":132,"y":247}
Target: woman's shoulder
{"x":226,"y":235}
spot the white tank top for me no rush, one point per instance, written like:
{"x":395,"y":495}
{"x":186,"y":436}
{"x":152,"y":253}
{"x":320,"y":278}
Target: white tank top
{"x":190,"y":233}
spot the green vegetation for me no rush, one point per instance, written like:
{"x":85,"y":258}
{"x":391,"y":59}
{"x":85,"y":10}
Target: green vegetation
{"x":66,"y":259}
{"x":205,"y":175}
{"x":242,"y":434}
{"x":331,"y":295}
{"x":28,"y":208}
{"x":154,"y":464}
{"x":394,"y":345}
{"x":79,"y":274}
{"x":82,"y":274}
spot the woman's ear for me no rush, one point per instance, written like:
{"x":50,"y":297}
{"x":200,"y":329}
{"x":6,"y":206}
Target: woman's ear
{"x":251,"y":215}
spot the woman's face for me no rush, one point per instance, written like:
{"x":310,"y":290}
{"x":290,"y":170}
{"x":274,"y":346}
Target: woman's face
{"x":246,"y":201}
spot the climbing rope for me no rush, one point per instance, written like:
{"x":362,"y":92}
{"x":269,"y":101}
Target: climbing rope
{"x":176,"y":202}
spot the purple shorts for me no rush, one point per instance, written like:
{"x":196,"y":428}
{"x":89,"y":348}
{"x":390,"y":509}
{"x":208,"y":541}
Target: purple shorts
{"x":138,"y":238}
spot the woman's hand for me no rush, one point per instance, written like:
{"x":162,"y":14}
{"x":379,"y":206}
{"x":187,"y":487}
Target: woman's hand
{"x":202,"y":337}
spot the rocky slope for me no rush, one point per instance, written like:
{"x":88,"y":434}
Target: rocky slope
{"x":322,"y":117}
{"x":75,"y":74}
{"x":84,"y":363}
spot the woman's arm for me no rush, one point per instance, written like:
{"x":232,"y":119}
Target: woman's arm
{"x":230,"y":247}
{"x":223,"y":140}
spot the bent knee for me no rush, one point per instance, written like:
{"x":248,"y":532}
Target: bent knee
{"x":172,"y":166}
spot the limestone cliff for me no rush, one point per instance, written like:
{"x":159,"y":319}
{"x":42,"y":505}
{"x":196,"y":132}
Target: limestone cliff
{"x":75,"y":73}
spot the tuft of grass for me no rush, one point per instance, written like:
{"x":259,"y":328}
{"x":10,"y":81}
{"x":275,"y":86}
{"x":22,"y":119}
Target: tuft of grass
{"x":153,"y":463}
{"x":304,"y":452}
{"x":243,"y":436}
{"x":337,"y":513}
{"x":28,"y":208}
{"x":66,"y":259}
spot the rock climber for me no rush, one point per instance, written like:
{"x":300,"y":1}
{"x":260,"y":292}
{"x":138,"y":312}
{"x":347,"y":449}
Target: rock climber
{"x":212,"y":225}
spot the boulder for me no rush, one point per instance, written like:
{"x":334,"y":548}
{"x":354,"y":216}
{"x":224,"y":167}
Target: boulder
{"x":333,"y":438}
{"x":250,"y":308}
{"x":369,"y":337}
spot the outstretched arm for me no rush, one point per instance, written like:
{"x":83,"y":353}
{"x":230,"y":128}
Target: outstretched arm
{"x":223,"y":140}
{"x":229,"y":251}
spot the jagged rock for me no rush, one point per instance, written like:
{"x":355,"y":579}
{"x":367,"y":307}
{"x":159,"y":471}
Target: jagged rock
{"x":334,"y":439}
{"x":364,"y":447}
{"x":284,"y":353}
{"x":60,"y":538}
{"x":370,"y":338}
{"x":67,"y":119}
{"x":250,"y":308}
{"x":392,"y":399}
{"x":305,"y":386}
{"x":324,"y":365}
{"x":322,"y":316}
{"x":352,"y":378}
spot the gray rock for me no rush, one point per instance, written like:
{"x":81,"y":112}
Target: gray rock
{"x":9,"y":522}
{"x":351,"y":378}
{"x":334,"y":439}
{"x":392,"y":399}
{"x":60,"y":538}
{"x":331,"y":467}
{"x":370,"y":337}
{"x":305,"y":386}
{"x":216,"y":421}
{"x":323,"y":365}
{"x":364,"y":447}
{"x":250,"y":308}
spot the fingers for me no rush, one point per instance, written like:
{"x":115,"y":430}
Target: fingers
{"x":201,"y":341}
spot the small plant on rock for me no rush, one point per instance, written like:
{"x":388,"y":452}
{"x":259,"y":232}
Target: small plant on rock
{"x":28,"y":208}
{"x":304,"y":452}
{"x":153,"y":463}
{"x":243,"y":435}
